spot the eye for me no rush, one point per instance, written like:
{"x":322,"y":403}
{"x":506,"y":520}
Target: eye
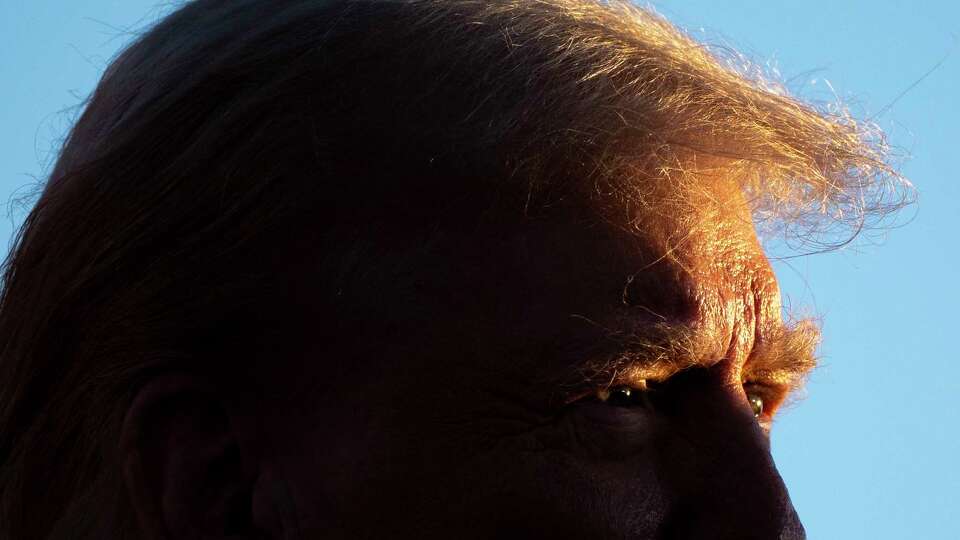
{"x":624,"y":396}
{"x":756,"y":403}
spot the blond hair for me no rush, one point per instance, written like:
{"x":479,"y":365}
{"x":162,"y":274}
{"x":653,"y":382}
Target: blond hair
{"x":630,"y":95}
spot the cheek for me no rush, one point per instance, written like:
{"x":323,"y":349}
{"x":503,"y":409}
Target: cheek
{"x":411,"y":459}
{"x":540,"y":485}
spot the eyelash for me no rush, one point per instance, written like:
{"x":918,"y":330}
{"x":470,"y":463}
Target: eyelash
{"x":624,"y":396}
{"x":628,"y":396}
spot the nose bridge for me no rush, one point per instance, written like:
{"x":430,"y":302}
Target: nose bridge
{"x":708,"y":272}
{"x":720,"y":468}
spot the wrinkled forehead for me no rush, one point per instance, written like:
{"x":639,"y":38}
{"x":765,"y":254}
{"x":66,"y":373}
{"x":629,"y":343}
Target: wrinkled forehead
{"x":566,"y":279}
{"x":675,"y":213}
{"x":552,"y":279}
{"x":698,"y":225}
{"x":693,"y":227}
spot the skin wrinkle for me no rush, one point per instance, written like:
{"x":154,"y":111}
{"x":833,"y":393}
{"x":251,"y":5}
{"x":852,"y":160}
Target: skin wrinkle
{"x":744,"y":329}
{"x":782,"y":358}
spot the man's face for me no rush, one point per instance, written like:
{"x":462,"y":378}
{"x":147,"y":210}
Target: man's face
{"x":565,"y":378}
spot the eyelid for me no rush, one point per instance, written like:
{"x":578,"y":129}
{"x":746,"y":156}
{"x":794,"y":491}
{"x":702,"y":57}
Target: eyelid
{"x":773,"y":385}
{"x":780,"y":383}
{"x":589,"y":389}
{"x":772,"y":394}
{"x":787,"y":378}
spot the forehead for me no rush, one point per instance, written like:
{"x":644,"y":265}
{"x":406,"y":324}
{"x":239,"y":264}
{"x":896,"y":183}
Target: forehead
{"x":669,"y":231}
{"x":684,"y":257}
{"x":541,"y":295}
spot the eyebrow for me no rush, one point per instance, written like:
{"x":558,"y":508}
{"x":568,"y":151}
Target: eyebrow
{"x":657,"y":351}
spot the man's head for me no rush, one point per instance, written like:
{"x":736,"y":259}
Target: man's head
{"x":338,"y":269}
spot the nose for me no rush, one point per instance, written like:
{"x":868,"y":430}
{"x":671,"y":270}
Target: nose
{"x":716,"y":467}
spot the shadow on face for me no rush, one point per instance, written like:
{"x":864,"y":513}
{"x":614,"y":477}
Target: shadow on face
{"x":507,"y":388}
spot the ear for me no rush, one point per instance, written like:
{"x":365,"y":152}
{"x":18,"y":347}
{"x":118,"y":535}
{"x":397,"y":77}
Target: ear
{"x":186,"y":471}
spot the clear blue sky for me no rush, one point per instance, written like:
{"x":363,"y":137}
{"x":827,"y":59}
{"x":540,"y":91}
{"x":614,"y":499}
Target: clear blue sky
{"x":872,"y":450}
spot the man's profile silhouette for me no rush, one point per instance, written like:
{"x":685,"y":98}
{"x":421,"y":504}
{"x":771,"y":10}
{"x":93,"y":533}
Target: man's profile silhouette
{"x":417,"y":269}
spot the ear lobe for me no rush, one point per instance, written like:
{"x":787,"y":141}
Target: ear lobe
{"x":185,"y":470}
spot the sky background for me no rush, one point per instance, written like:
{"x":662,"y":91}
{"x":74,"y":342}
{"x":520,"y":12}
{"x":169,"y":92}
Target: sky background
{"x":871,"y":451}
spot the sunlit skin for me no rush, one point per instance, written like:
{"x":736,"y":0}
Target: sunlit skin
{"x":468,"y":409}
